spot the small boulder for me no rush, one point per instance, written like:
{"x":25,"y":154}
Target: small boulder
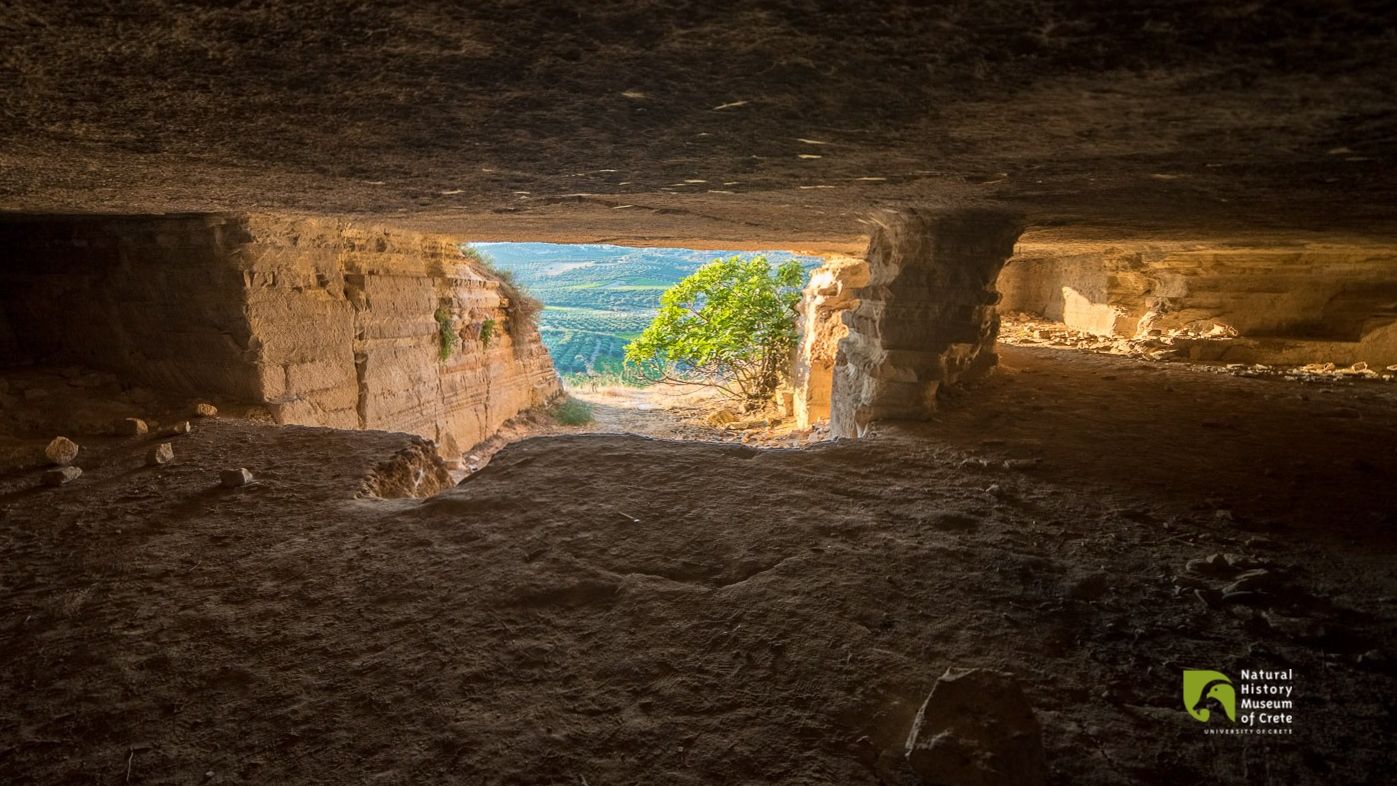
{"x":205,"y":410}
{"x":233,"y":478}
{"x":61,"y":475}
{"x":977,"y":729}
{"x":178,"y":430}
{"x":163,"y":453}
{"x":132,"y":427}
{"x":61,"y":451}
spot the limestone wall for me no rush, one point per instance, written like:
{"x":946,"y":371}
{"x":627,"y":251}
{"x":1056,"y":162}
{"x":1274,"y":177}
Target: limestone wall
{"x":323,"y":322}
{"x":832,"y":290}
{"x":925,"y":319}
{"x":1288,"y":304}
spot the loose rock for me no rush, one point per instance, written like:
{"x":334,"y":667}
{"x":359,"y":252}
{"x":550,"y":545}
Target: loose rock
{"x":163,"y":453}
{"x":233,"y":478}
{"x":722,"y":417}
{"x":61,"y":475}
{"x":205,"y":410}
{"x":61,"y":451}
{"x":179,"y":429}
{"x":133,"y":427}
{"x":977,"y":729}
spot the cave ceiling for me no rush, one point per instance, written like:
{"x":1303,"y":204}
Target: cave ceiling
{"x":711,"y":124}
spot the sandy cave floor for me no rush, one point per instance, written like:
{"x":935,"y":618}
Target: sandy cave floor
{"x":607,"y":609}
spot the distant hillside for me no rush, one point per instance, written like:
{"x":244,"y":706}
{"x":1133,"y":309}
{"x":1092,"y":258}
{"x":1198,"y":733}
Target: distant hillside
{"x":598,"y":297}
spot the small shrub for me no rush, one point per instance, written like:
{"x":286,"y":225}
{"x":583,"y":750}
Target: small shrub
{"x":523,"y":308}
{"x":571,"y":412}
{"x":487,"y":331}
{"x":446,"y":336}
{"x":729,"y":325}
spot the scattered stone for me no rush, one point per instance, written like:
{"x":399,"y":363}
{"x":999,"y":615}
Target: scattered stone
{"x":977,"y":729}
{"x":1021,"y":465}
{"x":133,"y":427}
{"x":61,"y":475}
{"x":722,"y":417}
{"x":61,"y":451}
{"x":163,"y":453}
{"x":233,"y":478}
{"x":1212,"y":565}
{"x":178,"y":430}
{"x":205,"y":410}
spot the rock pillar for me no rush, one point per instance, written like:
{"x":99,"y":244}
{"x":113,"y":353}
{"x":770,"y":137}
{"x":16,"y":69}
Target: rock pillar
{"x":830,"y":293}
{"x":927,"y":317}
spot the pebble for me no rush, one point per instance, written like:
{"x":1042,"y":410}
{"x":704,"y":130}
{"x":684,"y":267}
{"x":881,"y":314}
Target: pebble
{"x":179,"y":429}
{"x":61,"y":475}
{"x":163,"y":453}
{"x":133,"y":427}
{"x":205,"y":410}
{"x":61,"y":451}
{"x":233,"y":478}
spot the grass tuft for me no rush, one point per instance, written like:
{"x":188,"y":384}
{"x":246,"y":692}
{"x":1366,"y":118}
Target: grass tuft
{"x":571,"y":412}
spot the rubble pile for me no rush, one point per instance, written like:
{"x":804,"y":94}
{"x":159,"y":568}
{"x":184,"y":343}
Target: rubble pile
{"x":1195,"y":344}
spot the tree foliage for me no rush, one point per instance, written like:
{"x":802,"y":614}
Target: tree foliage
{"x":731,"y":325}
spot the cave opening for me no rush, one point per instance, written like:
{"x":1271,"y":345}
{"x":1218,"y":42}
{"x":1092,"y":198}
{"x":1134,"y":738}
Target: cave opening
{"x":597,"y":298}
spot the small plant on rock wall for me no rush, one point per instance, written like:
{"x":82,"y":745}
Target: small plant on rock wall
{"x":487,"y":332}
{"x":446,"y":336}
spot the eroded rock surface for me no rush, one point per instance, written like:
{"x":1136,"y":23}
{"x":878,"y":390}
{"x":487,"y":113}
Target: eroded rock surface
{"x":1281,"y":304}
{"x":926,"y":318}
{"x":323,"y":322}
{"x":831,"y":291}
{"x":977,"y":729}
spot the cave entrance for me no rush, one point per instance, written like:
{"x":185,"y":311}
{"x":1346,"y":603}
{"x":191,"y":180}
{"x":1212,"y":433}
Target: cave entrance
{"x":596,"y":299}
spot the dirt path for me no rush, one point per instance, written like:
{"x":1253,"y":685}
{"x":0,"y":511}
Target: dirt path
{"x":617,"y":609}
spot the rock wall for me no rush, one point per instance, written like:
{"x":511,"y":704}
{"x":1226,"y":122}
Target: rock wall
{"x":925,"y":319}
{"x":1287,"y":304}
{"x":832,"y":291}
{"x":322,"y":322}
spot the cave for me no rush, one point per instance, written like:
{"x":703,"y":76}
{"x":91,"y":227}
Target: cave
{"x":1081,"y":471}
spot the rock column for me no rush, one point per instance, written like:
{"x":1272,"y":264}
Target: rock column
{"x":927,"y":317}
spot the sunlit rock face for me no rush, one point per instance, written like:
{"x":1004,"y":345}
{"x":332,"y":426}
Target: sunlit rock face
{"x":1289,"y":303}
{"x":323,"y":322}
{"x":926,"y":318}
{"x":832,"y":290}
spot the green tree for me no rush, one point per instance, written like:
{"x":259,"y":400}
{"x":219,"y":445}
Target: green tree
{"x":729,"y":325}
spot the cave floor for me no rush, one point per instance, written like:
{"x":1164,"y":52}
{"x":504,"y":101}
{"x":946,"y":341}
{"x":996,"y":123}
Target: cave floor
{"x":605,"y":609}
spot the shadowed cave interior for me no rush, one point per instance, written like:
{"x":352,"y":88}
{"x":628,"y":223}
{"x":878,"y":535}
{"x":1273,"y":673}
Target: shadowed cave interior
{"x":1082,"y":473}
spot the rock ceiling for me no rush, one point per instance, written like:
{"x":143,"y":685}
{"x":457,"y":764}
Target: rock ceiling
{"x":784,"y":122}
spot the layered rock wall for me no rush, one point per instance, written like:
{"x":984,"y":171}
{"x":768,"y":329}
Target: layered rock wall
{"x":322,"y":322}
{"x":832,"y":290}
{"x":925,"y":319}
{"x":1286,"y":304}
